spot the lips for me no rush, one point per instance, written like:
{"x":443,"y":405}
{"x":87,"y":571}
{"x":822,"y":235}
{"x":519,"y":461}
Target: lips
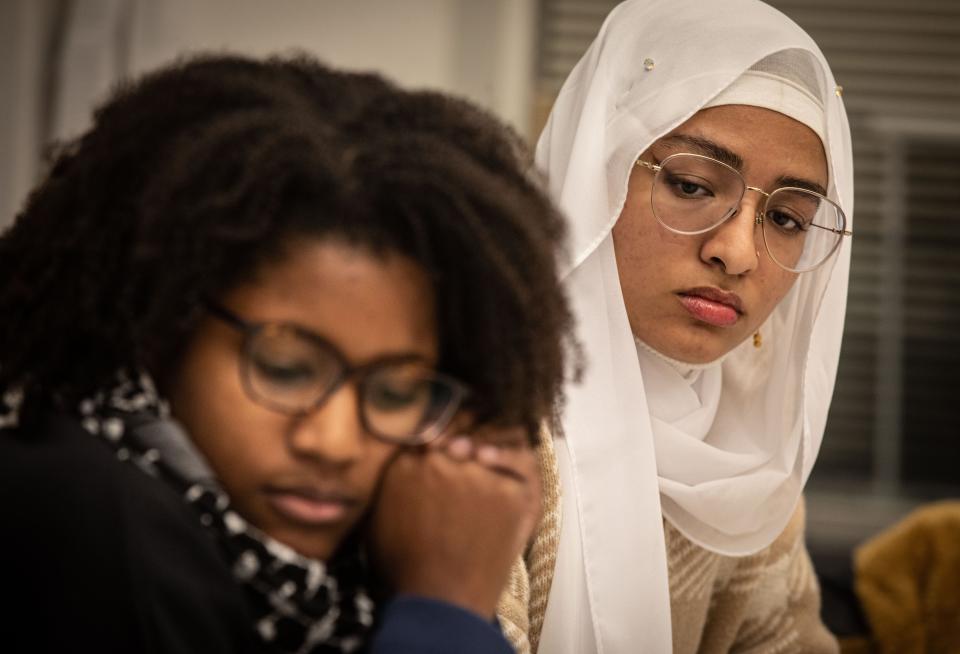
{"x":310,"y":506}
{"x":712,"y":305}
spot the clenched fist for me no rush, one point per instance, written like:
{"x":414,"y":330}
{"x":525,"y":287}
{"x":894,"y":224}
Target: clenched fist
{"x":452,"y":518}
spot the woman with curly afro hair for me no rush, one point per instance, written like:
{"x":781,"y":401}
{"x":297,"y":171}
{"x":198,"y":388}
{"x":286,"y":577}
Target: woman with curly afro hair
{"x":275,"y":343}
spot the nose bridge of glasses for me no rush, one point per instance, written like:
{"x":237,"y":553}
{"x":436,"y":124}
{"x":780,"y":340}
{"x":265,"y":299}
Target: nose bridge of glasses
{"x":735,"y":209}
{"x":737,"y":245}
{"x":760,"y":202}
{"x":332,"y":429}
{"x":344,"y":379}
{"x":353,"y":379}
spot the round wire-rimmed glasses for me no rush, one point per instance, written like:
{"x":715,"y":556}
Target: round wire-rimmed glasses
{"x":693,"y":194}
{"x":293,"y":371}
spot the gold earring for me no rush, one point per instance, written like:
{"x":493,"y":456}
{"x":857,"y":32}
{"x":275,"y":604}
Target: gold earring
{"x":757,"y":339}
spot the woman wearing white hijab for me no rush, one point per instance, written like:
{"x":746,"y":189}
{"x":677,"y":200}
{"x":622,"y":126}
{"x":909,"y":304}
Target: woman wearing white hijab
{"x":710,"y":309}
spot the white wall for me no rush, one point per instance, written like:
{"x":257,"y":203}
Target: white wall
{"x":23,"y":42}
{"x":482,"y":49}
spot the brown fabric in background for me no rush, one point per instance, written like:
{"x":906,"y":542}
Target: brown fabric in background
{"x":908,"y":581}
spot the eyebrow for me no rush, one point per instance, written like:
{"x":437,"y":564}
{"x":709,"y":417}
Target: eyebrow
{"x":709,"y":148}
{"x":799,"y":182}
{"x":705,"y":147}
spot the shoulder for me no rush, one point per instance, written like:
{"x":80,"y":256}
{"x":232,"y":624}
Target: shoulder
{"x":58,"y":479}
{"x":104,"y":554}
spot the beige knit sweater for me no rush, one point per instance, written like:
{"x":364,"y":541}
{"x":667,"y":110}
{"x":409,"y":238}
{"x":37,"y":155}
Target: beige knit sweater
{"x":768,"y":602}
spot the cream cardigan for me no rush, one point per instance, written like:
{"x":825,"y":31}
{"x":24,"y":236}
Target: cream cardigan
{"x":765,"y":602}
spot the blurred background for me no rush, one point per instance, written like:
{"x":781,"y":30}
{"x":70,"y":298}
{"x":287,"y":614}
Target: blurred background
{"x":893,"y":437}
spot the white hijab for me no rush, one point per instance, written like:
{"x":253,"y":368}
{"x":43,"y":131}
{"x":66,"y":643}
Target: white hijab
{"x":721,"y":451}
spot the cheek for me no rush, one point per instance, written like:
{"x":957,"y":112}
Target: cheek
{"x":241,"y":439}
{"x":648,"y":256}
{"x":632,"y":247}
{"x":773,"y":287}
{"x":232,"y":433}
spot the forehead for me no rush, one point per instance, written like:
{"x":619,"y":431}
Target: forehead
{"x":756,"y":141}
{"x":369,"y":305}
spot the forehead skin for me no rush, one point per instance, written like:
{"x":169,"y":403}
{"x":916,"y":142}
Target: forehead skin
{"x":746,"y":137}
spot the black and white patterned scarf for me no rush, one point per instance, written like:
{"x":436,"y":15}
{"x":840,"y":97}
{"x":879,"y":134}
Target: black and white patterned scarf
{"x":299,"y":604}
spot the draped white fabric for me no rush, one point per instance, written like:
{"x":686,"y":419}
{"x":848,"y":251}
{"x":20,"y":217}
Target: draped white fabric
{"x":721,"y":451}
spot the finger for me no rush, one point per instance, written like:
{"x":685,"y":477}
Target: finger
{"x":459,"y":448}
{"x":441,"y":441}
{"x":503,"y":436}
{"x":494,"y":456}
{"x":462,"y":423}
{"x":521,"y":461}
{"x":507,"y":462}
{"x":500,"y":474}
{"x":459,"y":463}
{"x":524,"y":463}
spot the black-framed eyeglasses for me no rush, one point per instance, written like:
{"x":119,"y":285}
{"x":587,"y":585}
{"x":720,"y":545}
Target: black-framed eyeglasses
{"x":292,"y":370}
{"x":693,"y":194}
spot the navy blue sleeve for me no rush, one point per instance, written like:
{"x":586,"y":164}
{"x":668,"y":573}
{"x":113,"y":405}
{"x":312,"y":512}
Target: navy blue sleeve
{"x":419,"y":625}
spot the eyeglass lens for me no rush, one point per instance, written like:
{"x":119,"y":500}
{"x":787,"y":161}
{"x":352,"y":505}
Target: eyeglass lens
{"x":400,"y":401}
{"x":694,"y":194}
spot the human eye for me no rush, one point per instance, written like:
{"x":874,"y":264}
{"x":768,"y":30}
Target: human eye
{"x":786,"y":222}
{"x":688,"y":186}
{"x":792,"y":211}
{"x":284,"y":371}
{"x":397,"y":395}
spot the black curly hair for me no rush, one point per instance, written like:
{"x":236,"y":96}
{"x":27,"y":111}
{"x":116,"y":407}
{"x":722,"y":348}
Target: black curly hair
{"x":197,"y":174}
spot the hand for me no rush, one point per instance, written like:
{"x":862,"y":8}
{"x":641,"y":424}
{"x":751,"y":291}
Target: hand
{"x":452,"y":518}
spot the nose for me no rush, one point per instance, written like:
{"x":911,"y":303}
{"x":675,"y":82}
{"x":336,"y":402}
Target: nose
{"x":733,"y":245}
{"x":332,"y":434}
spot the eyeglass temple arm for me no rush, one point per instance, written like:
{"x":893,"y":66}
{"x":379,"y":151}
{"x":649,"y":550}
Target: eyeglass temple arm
{"x":227,"y":316}
{"x":646,"y":164}
{"x":842,"y":232}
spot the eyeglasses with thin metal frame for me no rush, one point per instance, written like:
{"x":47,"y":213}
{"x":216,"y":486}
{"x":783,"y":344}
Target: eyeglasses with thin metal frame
{"x":293,"y":371}
{"x":779,"y":208}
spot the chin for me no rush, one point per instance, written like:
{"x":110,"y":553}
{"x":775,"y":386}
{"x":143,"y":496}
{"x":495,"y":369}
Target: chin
{"x":312,"y":547}
{"x":702,"y":348}
{"x":699,"y":359}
